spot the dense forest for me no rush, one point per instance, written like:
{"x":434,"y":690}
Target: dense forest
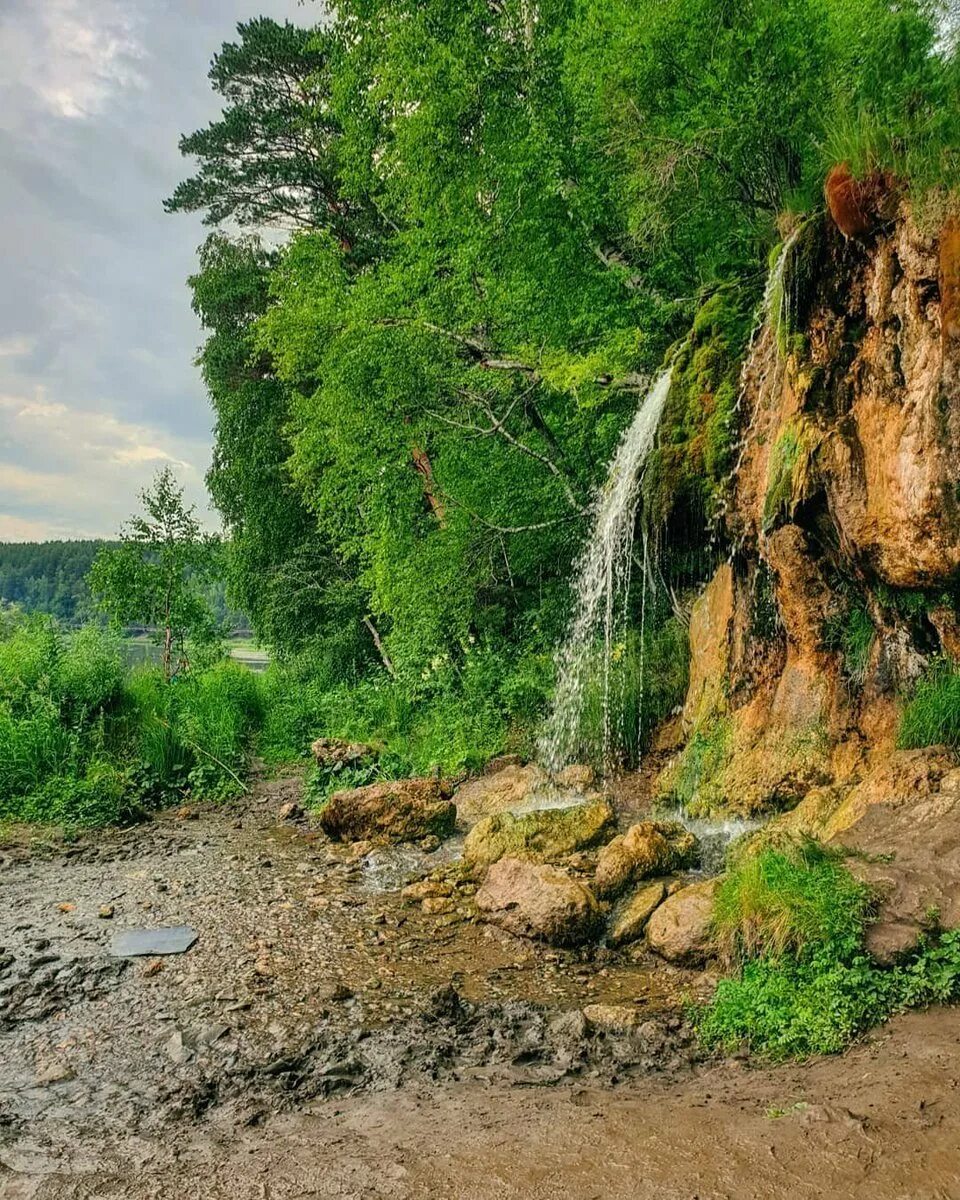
{"x":495,"y":219}
{"x":48,"y":577}
{"x":51,"y":577}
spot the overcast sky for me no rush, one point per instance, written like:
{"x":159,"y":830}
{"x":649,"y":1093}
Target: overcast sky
{"x":97,"y":340}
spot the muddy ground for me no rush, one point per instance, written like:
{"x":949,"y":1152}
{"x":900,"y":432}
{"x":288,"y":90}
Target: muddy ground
{"x":324,"y":1039}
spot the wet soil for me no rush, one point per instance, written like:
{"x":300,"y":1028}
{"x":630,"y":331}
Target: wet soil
{"x":322,"y":1038}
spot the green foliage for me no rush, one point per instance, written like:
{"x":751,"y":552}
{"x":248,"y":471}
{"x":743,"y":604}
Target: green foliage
{"x":47,"y":577}
{"x":456,"y":719}
{"x":794,"y":919}
{"x":799,"y":900}
{"x":152,"y":575}
{"x":852,"y":633}
{"x":503,"y":217}
{"x":790,"y":1009}
{"x":932,"y":714}
{"x":82,"y":742}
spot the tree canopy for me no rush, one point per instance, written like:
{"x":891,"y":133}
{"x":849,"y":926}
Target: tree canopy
{"x":503,"y":214}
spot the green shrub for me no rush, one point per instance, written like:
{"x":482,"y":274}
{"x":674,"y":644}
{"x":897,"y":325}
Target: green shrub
{"x":932,"y":715}
{"x":794,"y":919}
{"x":783,"y":1008}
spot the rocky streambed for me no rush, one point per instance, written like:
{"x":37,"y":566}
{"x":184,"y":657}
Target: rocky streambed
{"x":312,"y":976}
{"x":329,"y":1035}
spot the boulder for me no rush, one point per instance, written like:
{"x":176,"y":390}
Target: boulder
{"x":680,"y":929}
{"x":334,"y":754}
{"x":632,"y":915}
{"x":498,"y":791}
{"x":536,"y":900}
{"x":543,"y":835}
{"x":906,"y":839}
{"x":401,"y":810}
{"x":647,"y":848}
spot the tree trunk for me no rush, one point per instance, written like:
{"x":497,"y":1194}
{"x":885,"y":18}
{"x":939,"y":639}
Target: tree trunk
{"x":381,"y":649}
{"x":421,"y":461}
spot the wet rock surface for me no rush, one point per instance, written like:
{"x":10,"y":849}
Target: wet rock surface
{"x":544,"y":835}
{"x":402,"y":810}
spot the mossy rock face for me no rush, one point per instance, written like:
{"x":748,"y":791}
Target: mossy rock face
{"x":691,"y":464}
{"x":542,"y":836}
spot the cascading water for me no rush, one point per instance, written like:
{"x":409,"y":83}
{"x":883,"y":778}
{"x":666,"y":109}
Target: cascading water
{"x":601,"y":590}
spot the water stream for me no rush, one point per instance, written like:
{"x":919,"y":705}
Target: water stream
{"x":601,"y":593}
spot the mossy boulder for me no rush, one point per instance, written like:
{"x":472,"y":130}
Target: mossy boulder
{"x":544,"y":835}
{"x":398,"y":810}
{"x":647,"y":848}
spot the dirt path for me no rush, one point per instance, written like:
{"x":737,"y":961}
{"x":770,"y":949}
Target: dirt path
{"x":322,"y":1039}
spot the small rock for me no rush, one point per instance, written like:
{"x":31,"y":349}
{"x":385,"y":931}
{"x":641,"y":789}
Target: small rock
{"x":105,"y":912}
{"x":186,"y":813}
{"x":178,"y":1048}
{"x":55,"y":1073}
{"x":336,"y":992}
{"x":291,"y":811}
{"x":430,"y":844}
{"x":152,"y":968}
{"x":424,"y":889}
{"x":66,"y":907}
{"x":434,"y":906}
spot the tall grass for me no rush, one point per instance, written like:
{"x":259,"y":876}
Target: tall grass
{"x":932,"y":714}
{"x":82,"y":742}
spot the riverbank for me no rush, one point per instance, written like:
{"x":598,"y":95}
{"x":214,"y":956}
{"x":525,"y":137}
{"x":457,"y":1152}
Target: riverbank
{"x":325,"y":1038}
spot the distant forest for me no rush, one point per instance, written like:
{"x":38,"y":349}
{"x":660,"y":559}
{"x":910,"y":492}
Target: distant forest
{"x":51,"y":577}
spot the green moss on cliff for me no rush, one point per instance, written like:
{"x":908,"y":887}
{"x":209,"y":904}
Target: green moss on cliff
{"x":691,"y":465}
{"x":790,"y":471}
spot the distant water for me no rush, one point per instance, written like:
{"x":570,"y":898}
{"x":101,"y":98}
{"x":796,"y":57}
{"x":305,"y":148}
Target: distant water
{"x":138,"y":652}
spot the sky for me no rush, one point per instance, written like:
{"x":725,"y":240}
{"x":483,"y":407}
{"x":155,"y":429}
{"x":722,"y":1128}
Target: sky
{"x":98,"y":387}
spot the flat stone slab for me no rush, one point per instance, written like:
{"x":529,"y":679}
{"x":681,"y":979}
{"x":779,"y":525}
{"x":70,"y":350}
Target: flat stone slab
{"x":135,"y":943}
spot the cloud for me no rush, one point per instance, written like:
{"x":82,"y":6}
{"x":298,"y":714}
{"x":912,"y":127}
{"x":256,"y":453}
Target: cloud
{"x":50,"y":451}
{"x":97,"y":338}
{"x":73,"y":55}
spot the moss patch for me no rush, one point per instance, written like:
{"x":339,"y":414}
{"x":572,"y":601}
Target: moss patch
{"x":690,"y":467}
{"x":791,"y":470}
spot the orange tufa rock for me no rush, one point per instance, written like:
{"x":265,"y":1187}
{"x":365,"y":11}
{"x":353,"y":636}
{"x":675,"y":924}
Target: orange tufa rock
{"x":858,"y":205}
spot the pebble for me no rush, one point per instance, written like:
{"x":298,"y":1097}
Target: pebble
{"x":105,"y":912}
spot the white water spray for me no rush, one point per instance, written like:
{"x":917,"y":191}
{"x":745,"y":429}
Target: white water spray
{"x":601,"y":591}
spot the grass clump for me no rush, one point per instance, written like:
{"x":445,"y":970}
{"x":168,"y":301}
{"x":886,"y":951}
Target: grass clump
{"x":931,"y":716}
{"x":852,"y":634}
{"x":794,"y":901}
{"x":793,"y":920}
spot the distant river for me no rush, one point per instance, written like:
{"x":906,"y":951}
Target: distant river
{"x":137,"y":651}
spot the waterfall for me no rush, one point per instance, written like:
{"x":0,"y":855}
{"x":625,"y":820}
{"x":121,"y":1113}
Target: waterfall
{"x":601,"y":592}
